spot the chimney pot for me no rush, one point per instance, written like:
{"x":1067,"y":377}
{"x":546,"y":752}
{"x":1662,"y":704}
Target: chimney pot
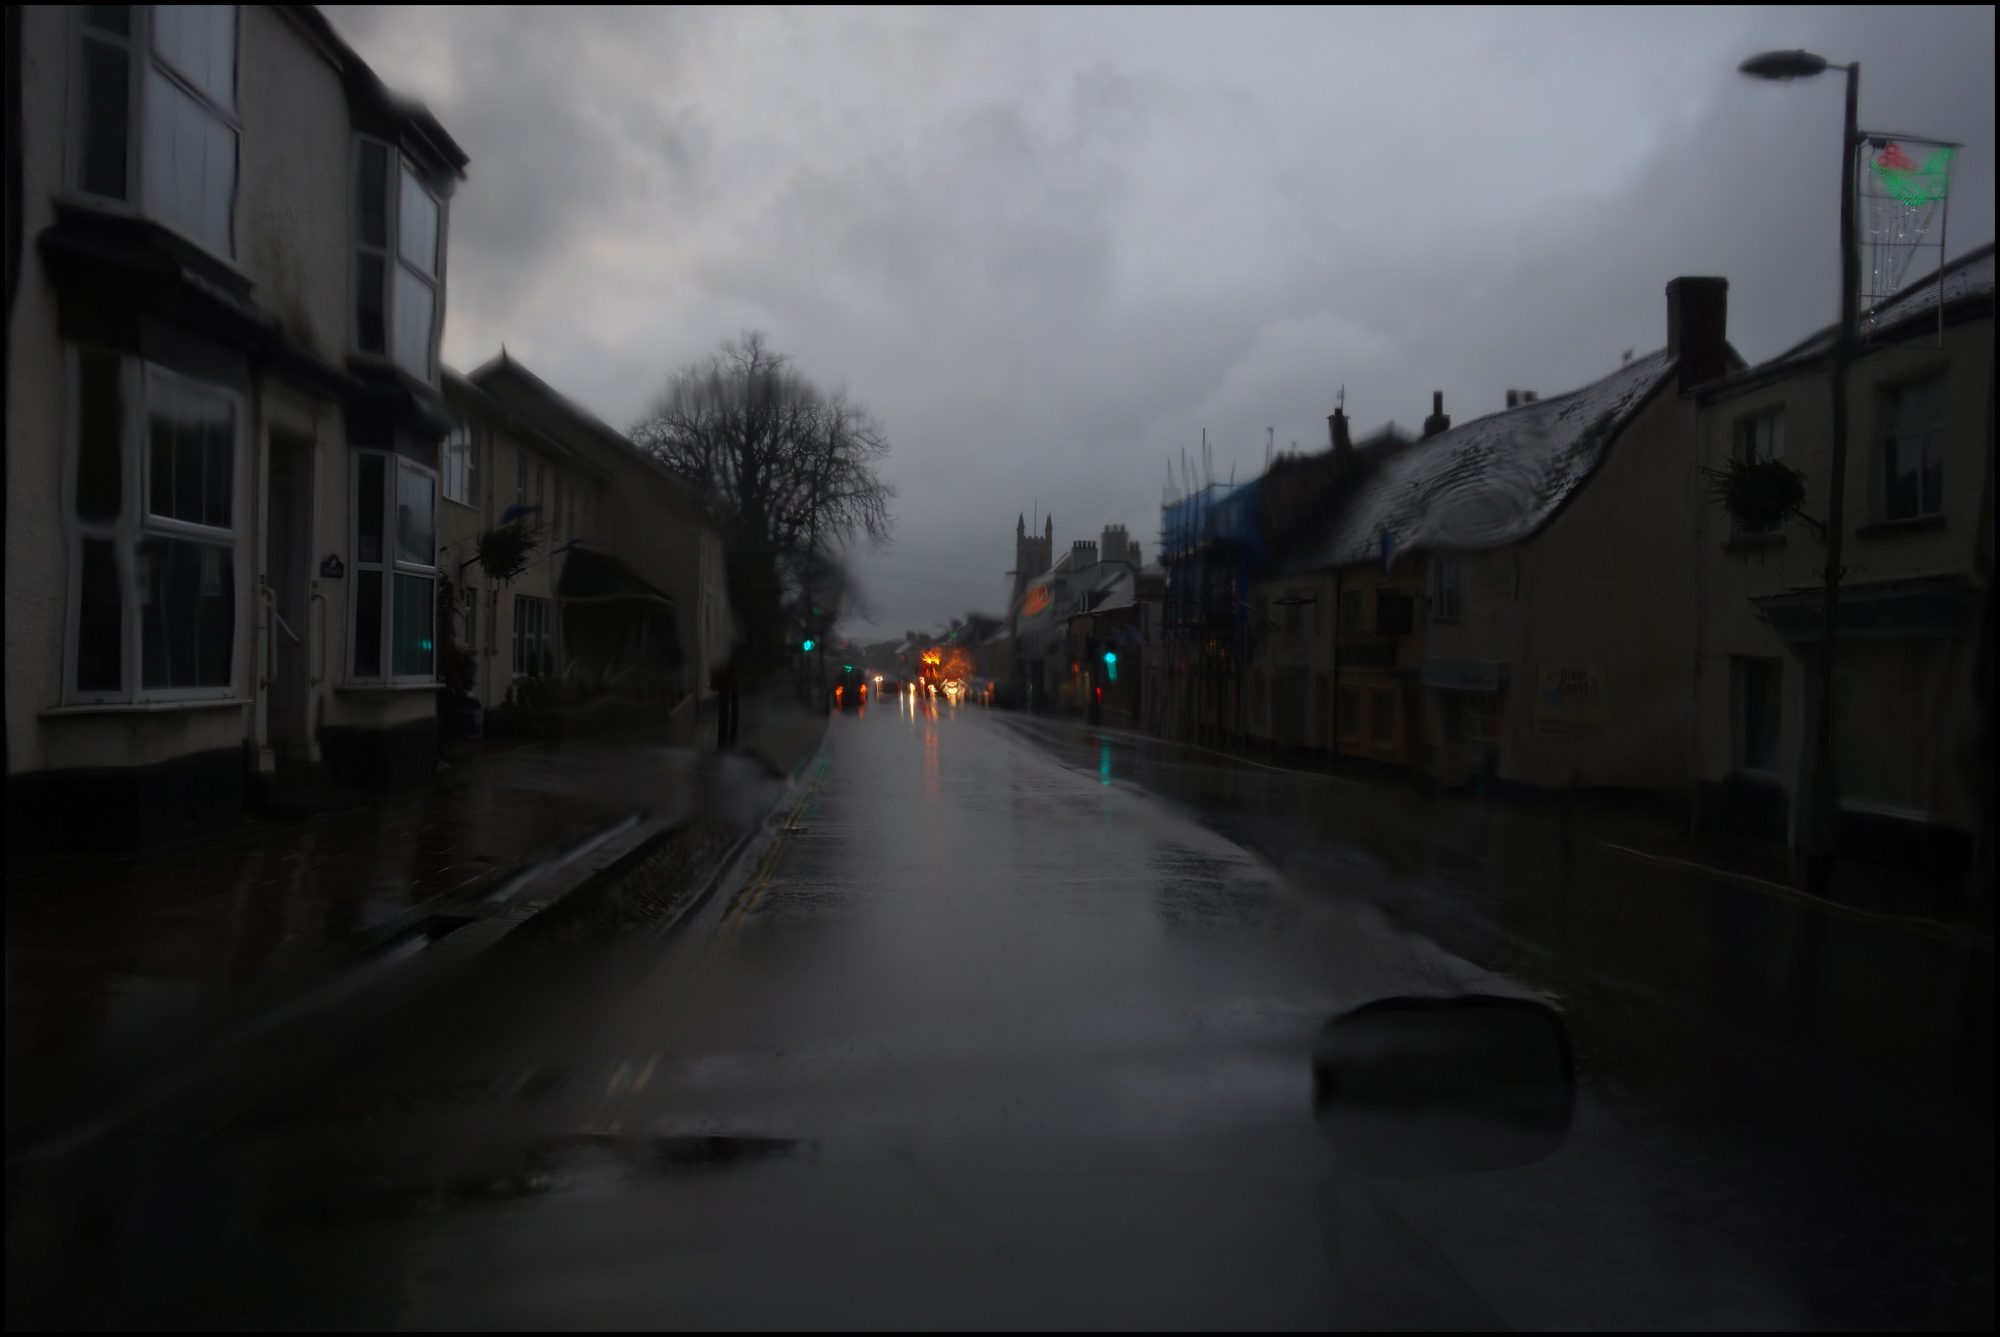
{"x":1439,"y":421}
{"x":1513,"y":399}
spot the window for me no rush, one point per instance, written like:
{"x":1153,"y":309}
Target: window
{"x":1760,"y":437}
{"x":1385,"y":719}
{"x":1295,"y":617}
{"x":1913,"y":450}
{"x":398,"y":267}
{"x":1350,"y":712}
{"x":461,"y":467}
{"x":186,"y":125}
{"x":1350,"y":612}
{"x":1757,"y":683}
{"x":152,"y":514}
{"x":1447,"y":595}
{"x":395,"y":568}
{"x":534,"y":641}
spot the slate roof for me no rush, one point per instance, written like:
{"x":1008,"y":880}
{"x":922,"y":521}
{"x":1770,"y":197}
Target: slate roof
{"x":1489,"y":482}
{"x":1967,"y":278}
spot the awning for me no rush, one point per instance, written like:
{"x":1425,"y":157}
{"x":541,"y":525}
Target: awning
{"x":596,"y":578}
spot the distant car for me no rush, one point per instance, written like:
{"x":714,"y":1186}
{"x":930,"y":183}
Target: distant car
{"x":850,"y":689}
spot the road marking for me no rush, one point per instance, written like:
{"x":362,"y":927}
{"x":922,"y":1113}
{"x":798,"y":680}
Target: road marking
{"x":619,"y":1092}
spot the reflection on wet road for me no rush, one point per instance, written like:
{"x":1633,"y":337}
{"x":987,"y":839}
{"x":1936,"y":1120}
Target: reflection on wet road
{"x":987,"y":1035}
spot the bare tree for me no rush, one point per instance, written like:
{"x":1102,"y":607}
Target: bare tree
{"x":787,"y":470}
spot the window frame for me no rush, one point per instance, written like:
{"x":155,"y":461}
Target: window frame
{"x":142,"y":56}
{"x":545,"y":636}
{"x":1447,"y":588}
{"x":469,"y":474}
{"x":391,"y":565}
{"x":395,"y":165}
{"x":1888,"y":411}
{"x":134,"y":524}
{"x":1743,"y":448}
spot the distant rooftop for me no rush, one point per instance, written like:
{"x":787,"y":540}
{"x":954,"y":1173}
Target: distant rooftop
{"x":1489,"y":482}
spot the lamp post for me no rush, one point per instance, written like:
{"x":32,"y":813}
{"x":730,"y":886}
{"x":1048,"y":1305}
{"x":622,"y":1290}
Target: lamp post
{"x":1821,"y":791}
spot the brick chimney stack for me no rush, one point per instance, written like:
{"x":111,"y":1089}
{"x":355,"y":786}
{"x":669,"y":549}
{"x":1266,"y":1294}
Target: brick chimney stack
{"x":1439,"y":421}
{"x":1698,"y":328}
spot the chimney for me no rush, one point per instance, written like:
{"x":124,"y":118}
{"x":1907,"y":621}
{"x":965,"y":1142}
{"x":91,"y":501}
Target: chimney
{"x":1082,"y":553}
{"x":1439,"y":421}
{"x":1336,"y":430}
{"x":1529,"y":396}
{"x":1513,"y":399}
{"x":1697,"y":328}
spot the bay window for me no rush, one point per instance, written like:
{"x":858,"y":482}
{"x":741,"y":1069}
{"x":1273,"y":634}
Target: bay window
{"x":395,"y":568}
{"x":151,"y":510}
{"x":176,"y":65}
{"x":398,"y":265}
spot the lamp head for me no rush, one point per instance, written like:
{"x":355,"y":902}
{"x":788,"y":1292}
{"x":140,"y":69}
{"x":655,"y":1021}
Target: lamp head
{"x":1784,"y":65}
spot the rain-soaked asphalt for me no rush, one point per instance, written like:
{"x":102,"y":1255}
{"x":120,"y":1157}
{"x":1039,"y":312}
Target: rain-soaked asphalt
{"x":999,"y":1031}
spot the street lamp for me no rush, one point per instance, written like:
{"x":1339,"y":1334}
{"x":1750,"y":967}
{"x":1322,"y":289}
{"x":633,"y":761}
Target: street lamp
{"x":1785,"y":66}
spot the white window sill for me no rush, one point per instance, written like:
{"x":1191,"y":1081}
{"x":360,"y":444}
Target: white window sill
{"x":141,"y":707}
{"x":386,"y":688}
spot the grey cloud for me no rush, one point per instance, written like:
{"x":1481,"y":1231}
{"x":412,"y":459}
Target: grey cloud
{"x":1048,"y":249}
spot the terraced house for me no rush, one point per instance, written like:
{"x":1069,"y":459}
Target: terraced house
{"x":1508,"y":600}
{"x":227,"y":276}
{"x":1914,"y":789}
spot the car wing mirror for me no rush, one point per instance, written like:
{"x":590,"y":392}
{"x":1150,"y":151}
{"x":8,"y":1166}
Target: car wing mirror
{"x":1427,"y":1086}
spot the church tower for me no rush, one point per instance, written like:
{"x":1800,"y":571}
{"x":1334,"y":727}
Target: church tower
{"x":1031,"y":556}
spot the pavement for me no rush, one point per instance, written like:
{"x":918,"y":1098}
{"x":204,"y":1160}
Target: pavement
{"x":122,"y":967}
{"x":1008,"y":1025}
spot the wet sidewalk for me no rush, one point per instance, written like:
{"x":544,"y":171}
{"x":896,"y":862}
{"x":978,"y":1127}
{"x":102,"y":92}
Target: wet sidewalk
{"x":112,"y":959}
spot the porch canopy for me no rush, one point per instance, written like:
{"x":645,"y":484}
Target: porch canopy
{"x":619,"y":632}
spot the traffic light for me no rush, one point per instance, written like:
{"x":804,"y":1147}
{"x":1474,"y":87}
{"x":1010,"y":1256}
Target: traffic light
{"x":807,"y":647}
{"x":1111,"y":665}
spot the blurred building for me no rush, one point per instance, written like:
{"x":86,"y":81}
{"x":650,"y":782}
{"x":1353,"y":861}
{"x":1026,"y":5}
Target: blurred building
{"x":1918,"y":555}
{"x":1053,"y":633}
{"x":1507,"y":600}
{"x":227,"y":276}
{"x":622,"y":613}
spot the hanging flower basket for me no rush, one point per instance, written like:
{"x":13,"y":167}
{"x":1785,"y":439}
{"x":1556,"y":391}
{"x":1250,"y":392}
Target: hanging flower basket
{"x":504,"y":550}
{"x":1758,"y":494}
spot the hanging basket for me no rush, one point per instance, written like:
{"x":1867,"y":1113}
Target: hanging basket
{"x":1758,"y":494}
{"x":504,"y":550}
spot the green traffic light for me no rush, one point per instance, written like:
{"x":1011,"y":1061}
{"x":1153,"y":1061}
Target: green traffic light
{"x":807,"y":646}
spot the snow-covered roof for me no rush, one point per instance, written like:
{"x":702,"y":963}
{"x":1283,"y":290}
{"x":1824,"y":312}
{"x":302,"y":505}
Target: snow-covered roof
{"x":1489,"y":482}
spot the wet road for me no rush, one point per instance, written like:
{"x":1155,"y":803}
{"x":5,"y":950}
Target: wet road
{"x":990,"y":1035}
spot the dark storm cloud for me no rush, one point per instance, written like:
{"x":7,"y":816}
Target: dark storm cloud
{"x":1048,"y":249}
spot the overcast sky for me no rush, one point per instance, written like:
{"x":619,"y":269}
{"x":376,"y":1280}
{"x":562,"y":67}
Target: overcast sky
{"x":1048,"y":248}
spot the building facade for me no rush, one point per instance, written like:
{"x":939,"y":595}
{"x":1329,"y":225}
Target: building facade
{"x":1918,"y":503}
{"x":625,"y":602}
{"x":223,"y":418}
{"x":1509,"y":600}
